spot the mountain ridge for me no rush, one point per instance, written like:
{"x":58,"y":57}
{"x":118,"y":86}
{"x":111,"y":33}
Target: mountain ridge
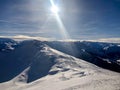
{"x":30,"y":53}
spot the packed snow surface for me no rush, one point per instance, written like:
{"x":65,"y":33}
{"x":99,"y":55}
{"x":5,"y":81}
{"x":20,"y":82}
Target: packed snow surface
{"x":39,"y":65}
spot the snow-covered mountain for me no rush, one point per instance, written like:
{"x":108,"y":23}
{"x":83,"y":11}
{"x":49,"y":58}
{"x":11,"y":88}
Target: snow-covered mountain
{"x":47,"y":65}
{"x":106,"y":55}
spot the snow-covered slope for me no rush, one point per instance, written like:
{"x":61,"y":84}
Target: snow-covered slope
{"x":36,"y":65}
{"x":105,"y":55}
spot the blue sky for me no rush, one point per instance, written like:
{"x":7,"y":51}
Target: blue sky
{"x":82,"y":19}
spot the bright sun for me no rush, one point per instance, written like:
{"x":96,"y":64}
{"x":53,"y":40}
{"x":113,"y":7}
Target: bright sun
{"x":54,"y":9}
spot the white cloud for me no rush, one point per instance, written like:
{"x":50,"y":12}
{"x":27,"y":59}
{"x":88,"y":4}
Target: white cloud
{"x":24,"y":37}
{"x":110,"y":40}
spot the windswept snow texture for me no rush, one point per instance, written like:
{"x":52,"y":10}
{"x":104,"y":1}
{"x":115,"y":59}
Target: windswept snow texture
{"x":51,"y":65}
{"x":105,"y":55}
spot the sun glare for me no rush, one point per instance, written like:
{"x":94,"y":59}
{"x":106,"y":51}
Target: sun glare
{"x":54,"y":9}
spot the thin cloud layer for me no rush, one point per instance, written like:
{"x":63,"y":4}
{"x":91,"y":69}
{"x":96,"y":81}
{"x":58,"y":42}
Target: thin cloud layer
{"x":83,"y":19}
{"x":23,"y":37}
{"x":110,"y":40}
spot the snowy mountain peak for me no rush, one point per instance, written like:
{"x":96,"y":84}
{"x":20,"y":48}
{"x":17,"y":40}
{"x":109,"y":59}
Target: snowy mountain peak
{"x":47,"y":65}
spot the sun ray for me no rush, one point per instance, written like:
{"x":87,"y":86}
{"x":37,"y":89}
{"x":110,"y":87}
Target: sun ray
{"x":54,"y":9}
{"x":63,"y":31}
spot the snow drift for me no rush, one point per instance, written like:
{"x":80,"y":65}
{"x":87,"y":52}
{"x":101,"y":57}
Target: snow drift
{"x":42,"y":63}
